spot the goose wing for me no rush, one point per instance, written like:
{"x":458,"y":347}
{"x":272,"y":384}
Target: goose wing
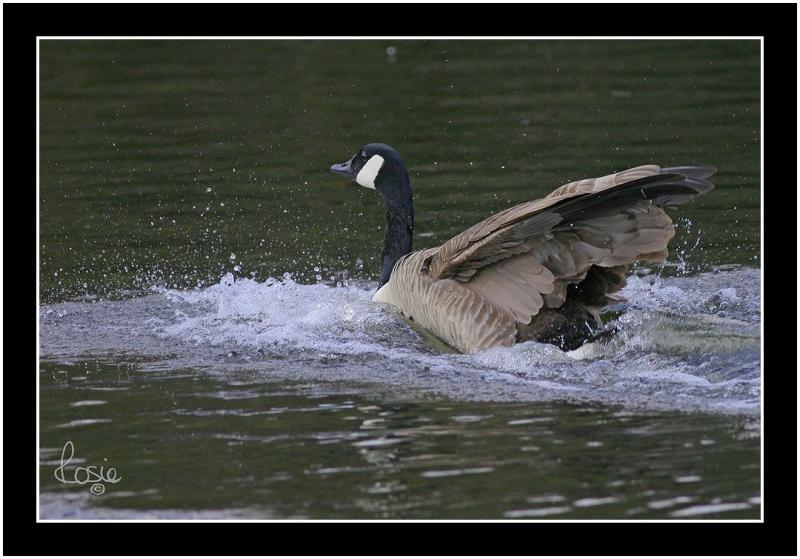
{"x":524,"y":257}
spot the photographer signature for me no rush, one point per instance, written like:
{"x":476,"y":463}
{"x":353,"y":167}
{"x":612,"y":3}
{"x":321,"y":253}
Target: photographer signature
{"x":96,"y":475}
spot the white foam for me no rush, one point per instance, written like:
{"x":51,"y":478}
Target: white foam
{"x":672,"y":351}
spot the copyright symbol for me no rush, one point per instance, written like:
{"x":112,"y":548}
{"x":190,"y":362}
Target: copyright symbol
{"x":97,"y":489}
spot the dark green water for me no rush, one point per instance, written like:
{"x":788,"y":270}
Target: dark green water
{"x":166,"y":165}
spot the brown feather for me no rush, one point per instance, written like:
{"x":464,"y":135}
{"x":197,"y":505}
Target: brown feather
{"x":567,"y":252}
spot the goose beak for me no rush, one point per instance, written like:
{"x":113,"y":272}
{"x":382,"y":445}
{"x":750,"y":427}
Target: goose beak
{"x":343,"y":169}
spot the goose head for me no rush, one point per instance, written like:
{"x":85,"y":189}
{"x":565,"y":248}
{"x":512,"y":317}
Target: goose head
{"x":379,"y":167}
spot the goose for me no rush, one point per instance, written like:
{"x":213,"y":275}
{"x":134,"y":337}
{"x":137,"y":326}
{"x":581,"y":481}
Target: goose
{"x":542,"y":270}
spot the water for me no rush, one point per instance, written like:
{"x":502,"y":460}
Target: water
{"x":206,"y":325}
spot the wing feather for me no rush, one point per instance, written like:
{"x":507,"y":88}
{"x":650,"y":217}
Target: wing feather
{"x":524,"y":258}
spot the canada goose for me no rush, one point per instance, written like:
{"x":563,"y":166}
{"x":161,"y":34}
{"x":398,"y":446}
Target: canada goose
{"x":541,"y":270}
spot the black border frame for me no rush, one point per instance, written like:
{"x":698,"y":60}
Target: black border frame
{"x":777,"y":23}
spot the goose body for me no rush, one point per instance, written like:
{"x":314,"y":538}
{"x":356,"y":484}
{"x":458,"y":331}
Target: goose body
{"x":541,"y":270}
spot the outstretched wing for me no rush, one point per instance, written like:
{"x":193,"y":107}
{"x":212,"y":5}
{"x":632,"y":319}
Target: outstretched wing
{"x":523,"y":258}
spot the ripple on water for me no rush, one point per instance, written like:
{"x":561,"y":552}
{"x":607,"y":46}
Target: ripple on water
{"x":81,"y":423}
{"x":536,"y":512}
{"x":457,"y":472}
{"x":701,"y":510}
{"x":595,"y":501}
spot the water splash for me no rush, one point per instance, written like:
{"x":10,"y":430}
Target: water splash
{"x":688,"y":343}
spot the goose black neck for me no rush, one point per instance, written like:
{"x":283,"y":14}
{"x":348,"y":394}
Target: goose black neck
{"x":399,"y":227}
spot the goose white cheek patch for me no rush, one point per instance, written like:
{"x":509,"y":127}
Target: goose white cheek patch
{"x":366,"y":176}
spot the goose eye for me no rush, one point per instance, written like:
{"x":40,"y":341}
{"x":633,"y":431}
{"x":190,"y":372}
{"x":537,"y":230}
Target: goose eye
{"x":363,"y":155}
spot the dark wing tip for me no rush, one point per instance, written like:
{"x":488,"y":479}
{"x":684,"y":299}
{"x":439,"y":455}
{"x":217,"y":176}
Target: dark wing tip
{"x":693,"y":177}
{"x":691,"y":171}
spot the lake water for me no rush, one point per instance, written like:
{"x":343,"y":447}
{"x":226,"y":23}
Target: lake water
{"x":205,"y":282}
